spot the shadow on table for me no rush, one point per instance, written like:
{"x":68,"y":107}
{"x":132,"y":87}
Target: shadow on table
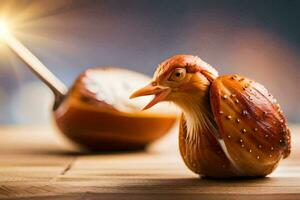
{"x":62,"y":152}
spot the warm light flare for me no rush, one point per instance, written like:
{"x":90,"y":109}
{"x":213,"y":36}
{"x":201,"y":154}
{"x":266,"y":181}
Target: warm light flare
{"x":32,"y":62}
{"x":4,"y":28}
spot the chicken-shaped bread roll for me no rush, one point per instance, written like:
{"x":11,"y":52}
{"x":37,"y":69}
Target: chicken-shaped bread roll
{"x":231,"y":126}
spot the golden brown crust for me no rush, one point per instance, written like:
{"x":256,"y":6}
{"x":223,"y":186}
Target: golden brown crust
{"x":192,"y":64}
{"x":251,"y":124}
{"x":204,"y":156}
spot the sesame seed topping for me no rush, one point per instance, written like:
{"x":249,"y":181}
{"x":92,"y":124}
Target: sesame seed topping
{"x":272,"y":148}
{"x":228,"y":117}
{"x":259,"y":146}
{"x":238,"y":120}
{"x":232,"y":95}
{"x":250,"y":150}
{"x":243,"y":130}
{"x":257,"y":157}
{"x":245,"y":112}
{"x":236,"y":101}
{"x":270,"y":155}
{"x":255,"y":129}
{"x":221,"y":112}
{"x":224,"y":96}
{"x":266,"y":135}
{"x":242,"y":145}
{"x":228,"y":136}
{"x":241,"y":140}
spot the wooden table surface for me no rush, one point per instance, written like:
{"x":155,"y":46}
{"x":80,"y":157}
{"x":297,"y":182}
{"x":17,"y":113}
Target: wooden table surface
{"x":36,"y":163}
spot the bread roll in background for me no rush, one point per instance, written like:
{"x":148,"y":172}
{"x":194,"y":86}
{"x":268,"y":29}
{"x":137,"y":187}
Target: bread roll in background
{"x":98,"y":115}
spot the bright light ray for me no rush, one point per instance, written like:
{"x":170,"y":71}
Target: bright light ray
{"x":33,"y":62}
{"x":4,"y":29}
{"x":34,"y":21}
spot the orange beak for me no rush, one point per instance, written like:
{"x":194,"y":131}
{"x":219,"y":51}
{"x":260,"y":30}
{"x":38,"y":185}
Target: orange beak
{"x":160,"y":93}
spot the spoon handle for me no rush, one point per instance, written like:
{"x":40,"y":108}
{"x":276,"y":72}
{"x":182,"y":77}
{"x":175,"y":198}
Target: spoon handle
{"x":37,"y":67}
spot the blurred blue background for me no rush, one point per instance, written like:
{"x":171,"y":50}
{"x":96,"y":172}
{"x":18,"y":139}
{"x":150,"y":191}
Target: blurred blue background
{"x":259,"y":39}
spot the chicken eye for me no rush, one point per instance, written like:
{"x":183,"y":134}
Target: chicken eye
{"x":178,"y":74}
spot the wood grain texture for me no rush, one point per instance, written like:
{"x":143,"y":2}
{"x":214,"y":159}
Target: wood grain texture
{"x":36,"y":164}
